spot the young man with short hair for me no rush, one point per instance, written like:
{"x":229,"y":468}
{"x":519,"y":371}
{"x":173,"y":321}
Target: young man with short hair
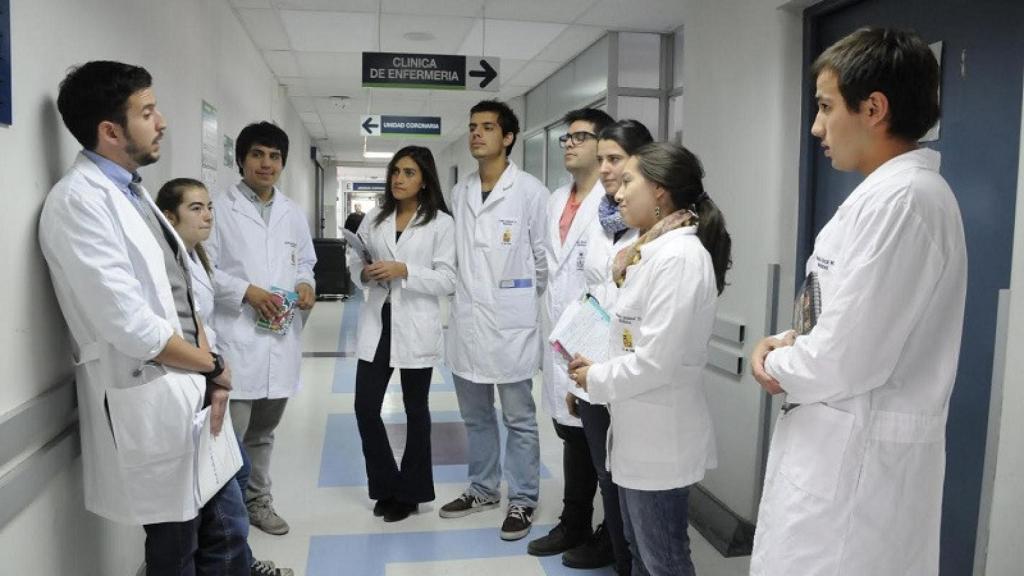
{"x":494,"y":338}
{"x":855,"y":471}
{"x":571,"y":214}
{"x":120,"y":275}
{"x":260,"y":242}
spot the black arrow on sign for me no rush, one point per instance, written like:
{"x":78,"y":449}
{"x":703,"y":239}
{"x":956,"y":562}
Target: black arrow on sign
{"x":368,"y":126}
{"x":488,"y":74}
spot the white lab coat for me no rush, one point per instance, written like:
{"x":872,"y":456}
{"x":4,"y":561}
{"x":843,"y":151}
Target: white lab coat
{"x":244,"y":250}
{"x":566,"y":283}
{"x":428,"y":251}
{"x":661,"y":435}
{"x":597,"y":268}
{"x":855,"y":474}
{"x":135,"y":418}
{"x":494,"y":331}
{"x":202,"y":298}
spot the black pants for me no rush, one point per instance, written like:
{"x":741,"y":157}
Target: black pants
{"x":595,"y":426}
{"x":580,"y":479}
{"x":414,"y":482}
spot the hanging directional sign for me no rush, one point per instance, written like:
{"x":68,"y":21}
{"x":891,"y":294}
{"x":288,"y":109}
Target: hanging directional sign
{"x":430,"y":71}
{"x":405,"y":126}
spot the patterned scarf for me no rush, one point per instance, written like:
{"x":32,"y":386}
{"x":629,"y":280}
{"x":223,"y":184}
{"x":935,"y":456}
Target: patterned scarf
{"x":608,"y":212}
{"x":630,"y":255}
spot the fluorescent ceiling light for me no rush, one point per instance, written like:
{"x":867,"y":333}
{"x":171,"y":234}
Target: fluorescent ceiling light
{"x":377,"y":155}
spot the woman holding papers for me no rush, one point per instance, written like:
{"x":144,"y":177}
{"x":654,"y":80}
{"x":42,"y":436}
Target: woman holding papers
{"x":616,"y":143}
{"x":669,"y":280}
{"x":407,"y":266}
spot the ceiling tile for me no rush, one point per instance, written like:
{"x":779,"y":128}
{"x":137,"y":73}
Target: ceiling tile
{"x":330,"y":31}
{"x":302,"y":103}
{"x":449,"y":33}
{"x":310,"y":118}
{"x":563,"y":11}
{"x":640,"y":15}
{"x":282,"y":63}
{"x":467,"y":8}
{"x":296,"y":85}
{"x":510,"y":38}
{"x":534,"y":73}
{"x":264,"y":28}
{"x":326,"y":87}
{"x":328,"y":5}
{"x":251,"y":3}
{"x":570,"y":43}
{"x":345,"y":65}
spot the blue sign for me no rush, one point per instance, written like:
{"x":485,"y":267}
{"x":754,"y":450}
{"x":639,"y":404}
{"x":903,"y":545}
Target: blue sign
{"x":367,"y":186}
{"x":378,"y":125}
{"x":6,"y":112}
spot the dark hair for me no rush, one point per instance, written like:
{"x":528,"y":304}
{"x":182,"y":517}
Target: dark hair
{"x":170,"y":197}
{"x":679,"y":171}
{"x":599,"y":119}
{"x":896,"y":63}
{"x":630,"y":135}
{"x":506,"y":119}
{"x":95,"y":92}
{"x":260,"y":134}
{"x":430,"y":197}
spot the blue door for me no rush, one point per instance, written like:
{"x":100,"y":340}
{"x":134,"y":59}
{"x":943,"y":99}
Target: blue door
{"x":982,"y":63}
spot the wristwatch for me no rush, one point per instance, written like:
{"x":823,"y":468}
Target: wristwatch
{"x":218,"y":367}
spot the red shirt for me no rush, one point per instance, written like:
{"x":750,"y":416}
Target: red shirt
{"x":568,"y":213}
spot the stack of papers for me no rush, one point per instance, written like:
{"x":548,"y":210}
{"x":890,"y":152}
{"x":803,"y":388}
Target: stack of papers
{"x":218,"y":458}
{"x":582,"y":329}
{"x":286,"y":302}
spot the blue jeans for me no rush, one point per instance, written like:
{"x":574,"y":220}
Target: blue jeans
{"x":596,"y":421}
{"x":522,"y":445}
{"x":211,"y":544}
{"x":655,"y":524}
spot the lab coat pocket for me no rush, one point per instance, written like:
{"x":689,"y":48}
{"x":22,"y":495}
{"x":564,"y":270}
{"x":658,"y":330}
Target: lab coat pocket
{"x":516,"y":308}
{"x":817,"y":437}
{"x":152,"y":422}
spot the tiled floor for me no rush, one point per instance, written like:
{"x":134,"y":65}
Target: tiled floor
{"x":320,"y":486}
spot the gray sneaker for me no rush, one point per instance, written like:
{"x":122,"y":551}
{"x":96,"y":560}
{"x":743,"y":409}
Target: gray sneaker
{"x":465,"y":505}
{"x":263,"y":516}
{"x":267,"y":568}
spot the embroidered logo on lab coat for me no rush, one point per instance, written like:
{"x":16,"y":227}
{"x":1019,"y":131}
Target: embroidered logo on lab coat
{"x":506,"y":236}
{"x":627,"y":340}
{"x":581,"y":257}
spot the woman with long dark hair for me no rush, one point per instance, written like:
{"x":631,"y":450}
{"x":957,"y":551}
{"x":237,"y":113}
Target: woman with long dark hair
{"x":411,"y":246}
{"x":669,"y":280}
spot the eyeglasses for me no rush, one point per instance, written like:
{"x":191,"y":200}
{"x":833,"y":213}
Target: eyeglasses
{"x":576,"y":137}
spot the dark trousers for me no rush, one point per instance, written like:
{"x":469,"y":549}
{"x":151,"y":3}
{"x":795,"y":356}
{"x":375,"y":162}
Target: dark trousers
{"x":580,"y":479}
{"x":414,"y":481}
{"x":655,"y":525}
{"x":211,"y":544}
{"x":596,"y":421}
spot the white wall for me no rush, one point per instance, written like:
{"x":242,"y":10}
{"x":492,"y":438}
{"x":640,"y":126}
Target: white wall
{"x":741,"y":75}
{"x":196,"y":50}
{"x":1004,"y":555}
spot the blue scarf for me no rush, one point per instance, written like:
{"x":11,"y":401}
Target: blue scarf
{"x":608,"y":213}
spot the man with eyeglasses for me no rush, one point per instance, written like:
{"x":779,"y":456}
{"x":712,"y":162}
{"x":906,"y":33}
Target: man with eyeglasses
{"x":572,"y":211}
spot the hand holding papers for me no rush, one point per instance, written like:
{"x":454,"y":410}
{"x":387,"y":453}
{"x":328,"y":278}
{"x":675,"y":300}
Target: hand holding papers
{"x":218,"y":458}
{"x":286,"y":301}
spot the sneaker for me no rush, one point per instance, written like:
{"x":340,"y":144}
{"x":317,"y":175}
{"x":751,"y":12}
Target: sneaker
{"x":263,"y":516}
{"x":399,"y":510}
{"x":517,"y":522}
{"x":595,"y":553}
{"x":558,"y":540}
{"x":267,"y":568}
{"x":465,"y":505}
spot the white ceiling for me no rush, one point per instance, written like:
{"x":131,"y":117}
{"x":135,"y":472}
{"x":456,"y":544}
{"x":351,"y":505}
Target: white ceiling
{"x":315,"y":47}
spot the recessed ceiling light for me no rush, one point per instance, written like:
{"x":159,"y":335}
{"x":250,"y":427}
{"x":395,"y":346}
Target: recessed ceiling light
{"x":419,"y":36}
{"x":378,"y":155}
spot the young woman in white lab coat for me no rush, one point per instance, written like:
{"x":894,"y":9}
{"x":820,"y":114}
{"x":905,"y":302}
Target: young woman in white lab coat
{"x":411,"y":242}
{"x":661,"y":437}
{"x":615,"y":145}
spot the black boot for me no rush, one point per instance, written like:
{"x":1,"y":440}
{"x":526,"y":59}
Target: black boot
{"x":558,"y":540}
{"x":594,"y":553}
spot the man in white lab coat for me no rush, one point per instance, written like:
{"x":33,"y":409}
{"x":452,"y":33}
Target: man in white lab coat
{"x":260,"y":242}
{"x":572,"y":214}
{"x":855,"y":471}
{"x":143,"y":367}
{"x":494,"y":335}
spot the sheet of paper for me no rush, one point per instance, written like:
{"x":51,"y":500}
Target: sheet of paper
{"x":218,"y":458}
{"x":355,"y":243}
{"x":582,"y":329}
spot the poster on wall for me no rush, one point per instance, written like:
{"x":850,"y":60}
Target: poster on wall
{"x":229,"y":151}
{"x":6,"y":107}
{"x":211,"y":145}
{"x":933,"y":134}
